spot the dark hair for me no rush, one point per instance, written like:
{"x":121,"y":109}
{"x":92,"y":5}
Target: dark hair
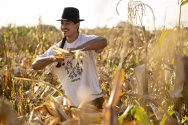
{"x":61,"y":46}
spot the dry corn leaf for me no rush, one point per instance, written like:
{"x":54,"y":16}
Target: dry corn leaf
{"x":51,"y":110}
{"x":177,"y":88}
{"x":139,"y":72}
{"x":68,"y":101}
{"x":94,"y":117}
{"x":38,"y":121}
{"x":38,"y":108}
{"x":61,"y":53}
{"x":117,"y":81}
{"x":72,"y":121}
{"x":60,"y":50}
{"x":55,"y":121}
{"x":59,"y":109}
{"x":110,"y":117}
{"x":89,"y":108}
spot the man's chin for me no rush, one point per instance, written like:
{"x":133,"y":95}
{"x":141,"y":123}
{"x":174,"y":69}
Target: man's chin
{"x":65,"y":34}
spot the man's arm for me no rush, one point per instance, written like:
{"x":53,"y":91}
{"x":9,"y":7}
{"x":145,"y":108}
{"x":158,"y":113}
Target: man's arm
{"x":43,"y":62}
{"x":98,"y":43}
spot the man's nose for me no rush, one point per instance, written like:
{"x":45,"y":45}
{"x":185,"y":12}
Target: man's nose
{"x":62,"y":26}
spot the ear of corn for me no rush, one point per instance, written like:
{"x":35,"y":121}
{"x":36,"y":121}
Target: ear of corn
{"x":62,"y":53}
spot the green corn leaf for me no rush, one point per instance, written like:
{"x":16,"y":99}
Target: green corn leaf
{"x":171,"y":112}
{"x":140,"y":114}
{"x":162,"y":122}
{"x":121,"y":118}
{"x":162,"y":37}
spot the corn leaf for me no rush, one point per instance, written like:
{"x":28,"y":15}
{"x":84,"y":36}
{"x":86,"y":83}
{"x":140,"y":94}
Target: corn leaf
{"x":183,"y":2}
{"x":117,"y":81}
{"x":140,"y":114}
{"x":162,"y":122}
{"x":121,"y":118}
{"x":162,"y":37}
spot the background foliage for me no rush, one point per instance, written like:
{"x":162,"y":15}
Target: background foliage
{"x":144,"y":95}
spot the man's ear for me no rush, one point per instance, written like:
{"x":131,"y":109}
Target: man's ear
{"x":78,"y":24}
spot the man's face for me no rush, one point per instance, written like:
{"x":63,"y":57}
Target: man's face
{"x":69,"y":28}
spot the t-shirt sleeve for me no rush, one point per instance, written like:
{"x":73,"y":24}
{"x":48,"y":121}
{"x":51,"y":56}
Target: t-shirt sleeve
{"x":88,"y":38}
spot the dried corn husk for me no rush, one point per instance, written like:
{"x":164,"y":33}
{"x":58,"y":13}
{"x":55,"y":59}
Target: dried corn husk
{"x":62,"y":53}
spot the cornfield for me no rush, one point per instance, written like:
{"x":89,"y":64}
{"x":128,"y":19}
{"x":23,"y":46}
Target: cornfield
{"x":143,"y":75}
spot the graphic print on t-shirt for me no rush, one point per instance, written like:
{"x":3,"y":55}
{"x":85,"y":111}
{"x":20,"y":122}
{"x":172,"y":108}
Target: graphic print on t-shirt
{"x":73,"y":69}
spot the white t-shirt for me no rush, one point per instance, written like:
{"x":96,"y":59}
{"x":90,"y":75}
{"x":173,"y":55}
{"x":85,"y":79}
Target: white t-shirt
{"x":79,"y":78}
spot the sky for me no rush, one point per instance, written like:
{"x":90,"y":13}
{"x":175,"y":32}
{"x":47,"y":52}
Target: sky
{"x":97,"y":13}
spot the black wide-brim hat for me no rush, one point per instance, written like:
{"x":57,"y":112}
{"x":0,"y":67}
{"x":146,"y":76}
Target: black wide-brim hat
{"x":70,"y":13}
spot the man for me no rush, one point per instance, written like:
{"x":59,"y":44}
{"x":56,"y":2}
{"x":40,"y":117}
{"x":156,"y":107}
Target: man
{"x":79,"y":78}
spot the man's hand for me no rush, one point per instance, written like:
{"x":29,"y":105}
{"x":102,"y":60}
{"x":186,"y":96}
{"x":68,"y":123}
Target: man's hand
{"x":59,"y":56}
{"x":57,"y":59}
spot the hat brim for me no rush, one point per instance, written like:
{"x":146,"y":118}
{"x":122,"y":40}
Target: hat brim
{"x":70,"y":19}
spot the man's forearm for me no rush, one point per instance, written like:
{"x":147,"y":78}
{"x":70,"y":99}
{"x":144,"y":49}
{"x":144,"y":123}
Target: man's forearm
{"x":42,"y":63}
{"x":95,"y":44}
